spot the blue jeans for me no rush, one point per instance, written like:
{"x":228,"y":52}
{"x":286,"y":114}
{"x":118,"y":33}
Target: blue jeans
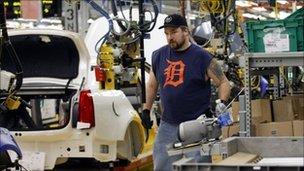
{"x":167,"y":135}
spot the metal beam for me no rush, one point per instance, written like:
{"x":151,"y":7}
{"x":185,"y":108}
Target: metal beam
{"x":275,"y":59}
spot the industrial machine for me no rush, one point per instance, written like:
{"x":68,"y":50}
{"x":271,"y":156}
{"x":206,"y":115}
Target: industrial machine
{"x":121,"y":50}
{"x":76,"y":98}
{"x":202,"y":129}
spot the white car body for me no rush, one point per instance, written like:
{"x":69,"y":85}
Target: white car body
{"x":117,"y":132}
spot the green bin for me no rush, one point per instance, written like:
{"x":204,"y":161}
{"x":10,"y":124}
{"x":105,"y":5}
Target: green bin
{"x":297,"y":14}
{"x":275,"y":35}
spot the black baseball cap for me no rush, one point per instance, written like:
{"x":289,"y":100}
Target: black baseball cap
{"x":174,"y":20}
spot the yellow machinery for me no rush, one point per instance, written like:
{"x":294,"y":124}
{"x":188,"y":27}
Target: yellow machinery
{"x":117,"y":67}
{"x":106,"y":63}
{"x":119,"y":61}
{"x":213,"y":6}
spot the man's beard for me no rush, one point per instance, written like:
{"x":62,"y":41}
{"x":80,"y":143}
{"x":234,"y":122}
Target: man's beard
{"x":176,"y":45}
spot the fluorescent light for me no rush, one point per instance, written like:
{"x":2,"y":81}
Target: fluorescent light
{"x":282,"y":2}
{"x":242,"y":4}
{"x":260,"y":9}
{"x":248,"y":15}
{"x":281,"y":14}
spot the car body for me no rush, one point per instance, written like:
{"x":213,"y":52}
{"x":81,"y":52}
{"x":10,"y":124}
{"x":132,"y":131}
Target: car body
{"x":88,"y":122}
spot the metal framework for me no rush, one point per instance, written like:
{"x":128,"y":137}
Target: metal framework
{"x":265,"y":147}
{"x":259,"y":60}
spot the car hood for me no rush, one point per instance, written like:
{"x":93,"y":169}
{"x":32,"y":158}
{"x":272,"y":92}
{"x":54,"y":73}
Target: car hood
{"x":50,"y":54}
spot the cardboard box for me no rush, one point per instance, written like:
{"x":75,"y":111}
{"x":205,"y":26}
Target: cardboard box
{"x":301,"y":108}
{"x":283,"y":110}
{"x":297,"y":105}
{"x":298,"y":128}
{"x":233,"y":130}
{"x":275,"y":129}
{"x":259,"y":109}
{"x":235,"y":111}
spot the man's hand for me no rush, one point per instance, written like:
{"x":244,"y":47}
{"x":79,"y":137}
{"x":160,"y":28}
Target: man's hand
{"x":145,"y":119}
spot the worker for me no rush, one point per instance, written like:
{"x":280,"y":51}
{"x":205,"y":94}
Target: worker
{"x":182,"y":70}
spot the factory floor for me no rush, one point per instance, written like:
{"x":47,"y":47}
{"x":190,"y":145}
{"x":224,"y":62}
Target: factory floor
{"x":92,"y":165}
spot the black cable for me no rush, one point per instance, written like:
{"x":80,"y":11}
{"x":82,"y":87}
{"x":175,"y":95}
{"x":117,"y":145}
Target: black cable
{"x":10,"y":49}
{"x":142,"y":55}
{"x":19,"y":71}
{"x":153,"y":21}
{"x":218,"y":23}
{"x":224,"y":18}
{"x":156,"y":11}
{"x":105,"y":37}
{"x":121,"y":11}
{"x":66,"y":90}
{"x":23,"y":168}
{"x":151,"y":15}
{"x":114,"y":10}
{"x":1,"y":45}
{"x":3,"y":21}
{"x":130,"y":13}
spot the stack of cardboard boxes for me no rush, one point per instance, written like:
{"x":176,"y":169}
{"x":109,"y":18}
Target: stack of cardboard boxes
{"x":284,"y":118}
{"x":289,"y":114}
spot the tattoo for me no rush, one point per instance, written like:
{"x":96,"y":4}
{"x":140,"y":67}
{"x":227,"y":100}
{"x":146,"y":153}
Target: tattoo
{"x":216,"y":69}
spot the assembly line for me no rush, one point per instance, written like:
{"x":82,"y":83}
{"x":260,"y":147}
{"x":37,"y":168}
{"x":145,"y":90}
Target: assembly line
{"x":146,"y":85}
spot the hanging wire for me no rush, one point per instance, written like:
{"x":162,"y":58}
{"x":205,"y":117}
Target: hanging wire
{"x":114,"y":10}
{"x":121,"y":11}
{"x":105,"y":37}
{"x":128,"y":26}
{"x":154,"y":20}
{"x":7,"y":45}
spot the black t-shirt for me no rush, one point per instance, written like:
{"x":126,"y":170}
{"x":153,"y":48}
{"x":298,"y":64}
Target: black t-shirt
{"x":184,"y":92}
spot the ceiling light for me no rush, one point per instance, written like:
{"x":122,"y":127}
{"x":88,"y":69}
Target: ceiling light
{"x":248,"y":15}
{"x":260,"y":9}
{"x":282,"y":2}
{"x":281,"y":15}
{"x":243,"y":4}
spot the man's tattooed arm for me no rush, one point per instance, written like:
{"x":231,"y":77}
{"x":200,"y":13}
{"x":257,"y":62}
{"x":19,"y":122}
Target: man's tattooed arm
{"x":219,"y":79}
{"x":216,"y":69}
